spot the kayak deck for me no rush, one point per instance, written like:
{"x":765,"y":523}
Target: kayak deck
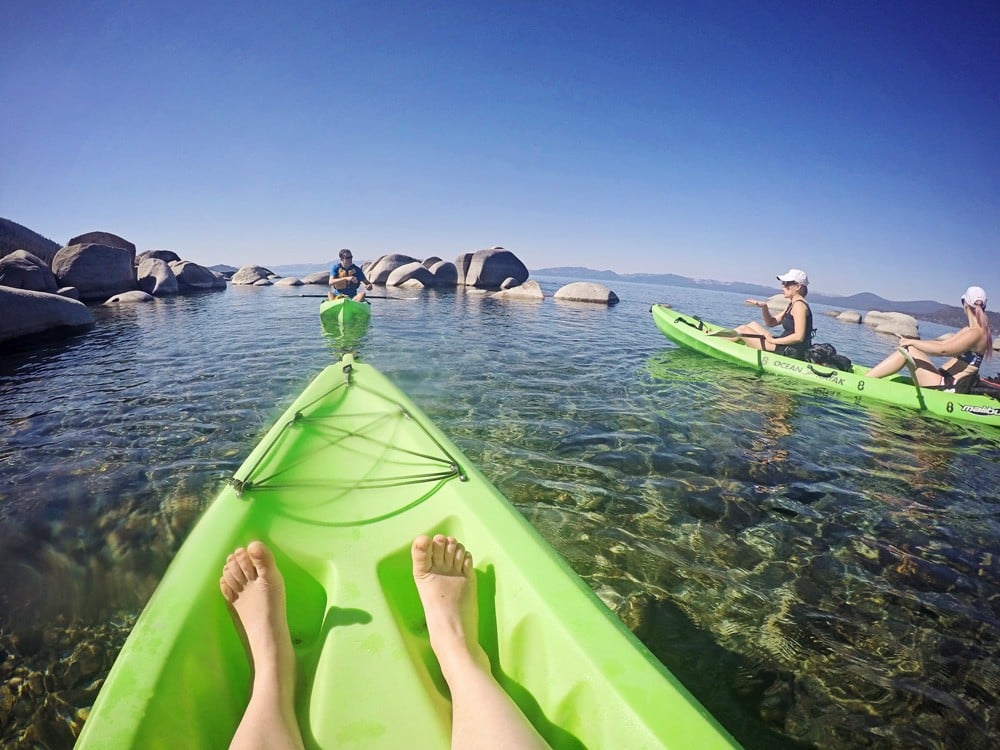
{"x":338,"y":488}
{"x":693,"y":333}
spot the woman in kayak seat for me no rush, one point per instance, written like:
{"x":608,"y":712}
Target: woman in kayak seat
{"x":796,"y":321}
{"x":483,"y":715}
{"x":967,"y":349}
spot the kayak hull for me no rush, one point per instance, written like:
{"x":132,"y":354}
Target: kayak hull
{"x":338,"y":488}
{"x":692,"y":333}
{"x":343,"y":312}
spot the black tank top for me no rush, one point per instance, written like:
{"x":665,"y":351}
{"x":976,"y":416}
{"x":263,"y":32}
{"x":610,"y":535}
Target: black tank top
{"x":788,"y":324}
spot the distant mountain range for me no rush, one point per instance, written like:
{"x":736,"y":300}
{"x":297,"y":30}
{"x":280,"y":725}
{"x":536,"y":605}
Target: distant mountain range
{"x":929,"y":310}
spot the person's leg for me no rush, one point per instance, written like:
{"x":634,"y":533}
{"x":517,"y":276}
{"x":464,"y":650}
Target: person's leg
{"x":755,"y":334}
{"x":483,"y":715}
{"x":255,"y":591}
{"x":927,"y":372}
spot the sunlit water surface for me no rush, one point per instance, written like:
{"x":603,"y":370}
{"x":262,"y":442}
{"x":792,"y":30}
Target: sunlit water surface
{"x":818,"y":573}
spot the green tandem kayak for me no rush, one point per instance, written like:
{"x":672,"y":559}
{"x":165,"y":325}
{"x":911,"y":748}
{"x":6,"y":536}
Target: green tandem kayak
{"x":692,"y":333}
{"x":338,"y":488}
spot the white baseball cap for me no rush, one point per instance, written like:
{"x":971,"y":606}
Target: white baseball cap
{"x":794,"y":274}
{"x":973,"y":295}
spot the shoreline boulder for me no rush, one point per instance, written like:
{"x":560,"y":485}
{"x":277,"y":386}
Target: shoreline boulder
{"x":489,"y":268}
{"x":154,"y":276}
{"x":104,"y":238}
{"x":23,"y":270}
{"x":529,"y":290}
{"x":251,"y":275}
{"x":586,"y":291}
{"x":97,"y":271}
{"x":26,"y":316}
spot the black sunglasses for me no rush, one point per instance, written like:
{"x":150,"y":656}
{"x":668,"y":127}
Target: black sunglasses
{"x":789,"y":283}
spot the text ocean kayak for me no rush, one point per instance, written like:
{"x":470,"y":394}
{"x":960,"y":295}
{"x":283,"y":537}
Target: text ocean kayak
{"x":338,"y":488}
{"x":692,"y":333}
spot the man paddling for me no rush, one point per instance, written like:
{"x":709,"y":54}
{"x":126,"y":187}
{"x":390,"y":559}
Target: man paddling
{"x":346,"y":279}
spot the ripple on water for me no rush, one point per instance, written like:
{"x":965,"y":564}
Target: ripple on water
{"x":813,"y":570}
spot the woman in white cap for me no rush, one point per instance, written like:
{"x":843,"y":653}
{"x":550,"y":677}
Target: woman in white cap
{"x":967,"y":349}
{"x":796,"y":321}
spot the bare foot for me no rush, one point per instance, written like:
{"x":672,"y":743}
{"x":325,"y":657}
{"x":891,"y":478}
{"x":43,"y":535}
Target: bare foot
{"x":255,"y":590}
{"x":446,"y":582}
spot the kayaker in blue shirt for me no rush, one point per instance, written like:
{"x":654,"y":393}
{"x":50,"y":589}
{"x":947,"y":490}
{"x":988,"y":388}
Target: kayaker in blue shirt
{"x":346,"y":279}
{"x":968,"y":349}
{"x":482,"y":714}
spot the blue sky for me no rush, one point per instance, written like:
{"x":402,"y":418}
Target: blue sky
{"x":724,"y":140}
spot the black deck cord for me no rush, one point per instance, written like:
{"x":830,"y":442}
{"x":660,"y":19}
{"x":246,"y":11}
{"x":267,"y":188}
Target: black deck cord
{"x":700,"y":326}
{"x":814,"y":371}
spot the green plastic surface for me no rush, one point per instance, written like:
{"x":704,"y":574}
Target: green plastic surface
{"x":343,"y":311}
{"x":338,"y":488}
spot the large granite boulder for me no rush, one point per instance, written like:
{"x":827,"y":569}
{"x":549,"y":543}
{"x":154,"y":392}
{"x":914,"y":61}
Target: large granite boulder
{"x":288,"y":281}
{"x":586,"y":291}
{"x":378,"y":271}
{"x":194,"y":278}
{"x":135,"y":295}
{"x":849,"y":316}
{"x":168,"y":256}
{"x":462,"y":264}
{"x":25,"y":313}
{"x":444,"y":273}
{"x":529,"y":290}
{"x":428,"y":262}
{"x":320,"y":277}
{"x":489,"y":268}
{"x":22,"y":270}
{"x":412,"y":275}
{"x":97,"y":271}
{"x":154,"y":276}
{"x":250,"y":275}
{"x":893,"y":323}
{"x":104,"y":238}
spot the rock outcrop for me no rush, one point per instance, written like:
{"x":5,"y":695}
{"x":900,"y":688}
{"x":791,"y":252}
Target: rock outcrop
{"x":129,"y":297}
{"x":249,"y":275}
{"x":97,"y":271}
{"x":378,"y":271}
{"x":25,"y":314}
{"x":488,"y":268}
{"x":22,"y":270}
{"x":893,"y":323}
{"x":154,"y":276}
{"x":320,"y":277}
{"x":194,"y":278}
{"x":165,"y":255}
{"x":586,"y":291}
{"x":104,"y":238}
{"x":412,"y":275}
{"x":444,"y":273}
{"x":529,"y":290}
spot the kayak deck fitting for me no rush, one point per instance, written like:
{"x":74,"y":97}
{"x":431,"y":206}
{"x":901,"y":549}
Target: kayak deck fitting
{"x":338,"y":488}
{"x":693,"y":333}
